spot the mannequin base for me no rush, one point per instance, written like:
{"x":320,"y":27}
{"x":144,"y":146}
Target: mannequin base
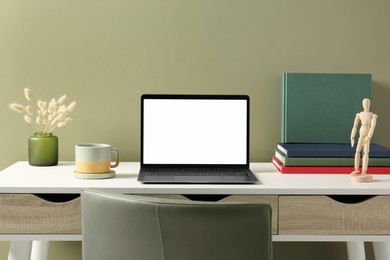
{"x":361,"y":178}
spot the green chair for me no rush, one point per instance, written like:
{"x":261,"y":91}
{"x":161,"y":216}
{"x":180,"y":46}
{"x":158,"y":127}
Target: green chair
{"x":116,"y":227}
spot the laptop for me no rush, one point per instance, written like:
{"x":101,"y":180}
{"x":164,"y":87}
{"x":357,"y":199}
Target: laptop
{"x":195,"y":139}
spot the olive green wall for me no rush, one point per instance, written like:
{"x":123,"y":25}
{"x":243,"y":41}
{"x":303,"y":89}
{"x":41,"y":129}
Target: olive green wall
{"x":105,"y":54}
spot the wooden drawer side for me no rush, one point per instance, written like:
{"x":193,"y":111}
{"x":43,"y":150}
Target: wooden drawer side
{"x":29,"y":214}
{"x":321,"y":215}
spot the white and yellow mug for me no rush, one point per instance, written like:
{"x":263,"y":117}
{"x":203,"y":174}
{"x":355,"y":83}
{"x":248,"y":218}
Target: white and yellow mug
{"x":95,"y":158}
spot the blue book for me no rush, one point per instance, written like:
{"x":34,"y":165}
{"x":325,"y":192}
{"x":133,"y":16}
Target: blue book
{"x":329,"y":150}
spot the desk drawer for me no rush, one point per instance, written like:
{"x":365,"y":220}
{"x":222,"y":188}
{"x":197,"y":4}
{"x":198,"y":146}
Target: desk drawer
{"x":323,"y":215}
{"x":30,"y":214}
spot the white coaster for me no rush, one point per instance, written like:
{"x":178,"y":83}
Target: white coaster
{"x":105,"y":175}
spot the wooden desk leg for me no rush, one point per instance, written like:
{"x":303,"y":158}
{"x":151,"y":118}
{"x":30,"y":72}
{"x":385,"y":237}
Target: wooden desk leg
{"x":40,"y":250}
{"x":20,"y":250}
{"x":381,"y":250}
{"x":356,"y":250}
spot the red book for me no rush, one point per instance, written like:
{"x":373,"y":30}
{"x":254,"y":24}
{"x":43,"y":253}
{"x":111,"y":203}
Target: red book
{"x":326,"y":169}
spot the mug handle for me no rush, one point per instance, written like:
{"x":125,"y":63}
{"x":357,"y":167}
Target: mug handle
{"x":114,"y":150}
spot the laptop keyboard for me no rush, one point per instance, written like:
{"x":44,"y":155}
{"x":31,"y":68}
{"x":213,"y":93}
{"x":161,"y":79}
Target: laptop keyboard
{"x":195,"y":172}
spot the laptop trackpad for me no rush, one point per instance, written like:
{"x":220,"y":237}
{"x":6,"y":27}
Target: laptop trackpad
{"x":197,"y":178}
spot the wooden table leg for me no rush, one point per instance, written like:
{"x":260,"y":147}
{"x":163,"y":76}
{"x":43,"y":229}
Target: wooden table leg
{"x":356,"y":250}
{"x":40,"y":250}
{"x":20,"y":250}
{"x":381,"y":250}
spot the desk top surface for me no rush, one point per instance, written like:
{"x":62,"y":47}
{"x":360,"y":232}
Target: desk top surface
{"x":23,"y":178}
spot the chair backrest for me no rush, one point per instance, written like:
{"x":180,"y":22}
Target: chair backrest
{"x":116,"y":226}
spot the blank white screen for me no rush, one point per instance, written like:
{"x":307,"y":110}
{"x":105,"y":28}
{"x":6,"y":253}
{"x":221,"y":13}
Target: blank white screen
{"x":187,"y":131}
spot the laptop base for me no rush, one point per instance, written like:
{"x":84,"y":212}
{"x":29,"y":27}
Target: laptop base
{"x":193,"y":179}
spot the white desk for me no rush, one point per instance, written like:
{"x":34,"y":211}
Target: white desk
{"x":302,"y":211}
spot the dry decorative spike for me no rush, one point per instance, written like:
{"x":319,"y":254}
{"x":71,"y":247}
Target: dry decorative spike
{"x":48,"y":115}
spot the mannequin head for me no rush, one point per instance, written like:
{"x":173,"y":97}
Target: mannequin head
{"x":366,"y":104}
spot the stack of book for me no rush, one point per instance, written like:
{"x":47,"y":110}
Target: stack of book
{"x":327,"y":158}
{"x":317,"y":115}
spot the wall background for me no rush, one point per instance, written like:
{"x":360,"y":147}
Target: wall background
{"x":105,"y":54}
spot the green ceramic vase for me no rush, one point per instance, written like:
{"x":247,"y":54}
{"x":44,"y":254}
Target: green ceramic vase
{"x":43,"y":149}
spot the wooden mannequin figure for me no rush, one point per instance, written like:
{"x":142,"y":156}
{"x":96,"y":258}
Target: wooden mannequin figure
{"x":368,"y":123}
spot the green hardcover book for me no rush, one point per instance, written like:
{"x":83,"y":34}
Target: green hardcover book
{"x":321,"y":107}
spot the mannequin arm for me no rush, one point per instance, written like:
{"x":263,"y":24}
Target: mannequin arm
{"x":354,"y":129}
{"x":372,"y":128}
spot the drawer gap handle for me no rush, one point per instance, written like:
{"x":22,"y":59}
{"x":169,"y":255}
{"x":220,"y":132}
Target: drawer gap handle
{"x":351,"y":199}
{"x":58,"y":198}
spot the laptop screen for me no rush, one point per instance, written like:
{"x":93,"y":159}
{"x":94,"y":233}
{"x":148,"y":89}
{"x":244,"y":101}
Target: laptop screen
{"x":194,"y":130}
